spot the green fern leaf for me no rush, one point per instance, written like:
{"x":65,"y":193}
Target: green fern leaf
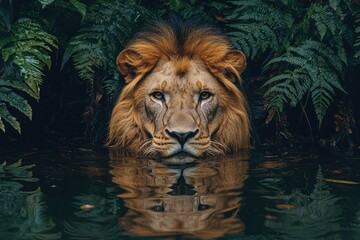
{"x":25,"y":53}
{"x":334,"y":4}
{"x":107,"y":26}
{"x":256,"y":26}
{"x":2,"y":126}
{"x":327,"y":20}
{"x":19,"y":85}
{"x":16,"y":101}
{"x":27,"y":47}
{"x":311,"y":67}
{"x":6,"y":115}
{"x":80,"y":7}
{"x":45,"y":3}
{"x":281,"y":77}
{"x":356,"y":15}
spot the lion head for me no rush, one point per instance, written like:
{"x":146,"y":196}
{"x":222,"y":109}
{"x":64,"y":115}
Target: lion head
{"x":180,"y":93}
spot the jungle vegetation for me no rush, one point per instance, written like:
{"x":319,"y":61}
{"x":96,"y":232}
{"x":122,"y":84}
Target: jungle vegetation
{"x":57,"y":62}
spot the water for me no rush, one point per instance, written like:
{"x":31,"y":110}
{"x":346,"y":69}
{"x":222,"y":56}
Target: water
{"x":81,"y":193}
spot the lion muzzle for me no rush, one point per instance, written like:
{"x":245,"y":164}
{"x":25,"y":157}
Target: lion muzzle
{"x":182,"y":137}
{"x":181,"y":127}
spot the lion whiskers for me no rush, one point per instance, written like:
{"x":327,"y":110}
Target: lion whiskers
{"x":219,"y":147}
{"x":148,"y":150}
{"x":145,"y":143}
{"x":216,"y":148}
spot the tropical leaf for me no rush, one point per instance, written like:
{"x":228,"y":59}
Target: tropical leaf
{"x":356,"y":15}
{"x":25,"y":52}
{"x":106,"y":27}
{"x":6,"y":115}
{"x":19,"y":85}
{"x":16,"y":101}
{"x":80,"y":7}
{"x":2,"y":126}
{"x":334,"y":4}
{"x":315,"y":69}
{"x":327,"y":19}
{"x":27,"y":47}
{"x":44,"y":3}
{"x":186,"y":8}
{"x":5,"y":19}
{"x":256,"y":26}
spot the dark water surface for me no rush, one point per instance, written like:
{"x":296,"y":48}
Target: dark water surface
{"x":80,"y":193}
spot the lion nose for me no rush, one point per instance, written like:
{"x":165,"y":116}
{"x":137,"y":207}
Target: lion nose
{"x":182,"y":137}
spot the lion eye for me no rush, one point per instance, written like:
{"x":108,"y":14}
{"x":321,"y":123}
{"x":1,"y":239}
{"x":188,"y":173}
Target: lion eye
{"x":158,"y":95}
{"x":204,"y":95}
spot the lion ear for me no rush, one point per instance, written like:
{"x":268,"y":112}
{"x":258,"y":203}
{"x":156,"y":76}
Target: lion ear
{"x":131,"y":64}
{"x":235,"y":62}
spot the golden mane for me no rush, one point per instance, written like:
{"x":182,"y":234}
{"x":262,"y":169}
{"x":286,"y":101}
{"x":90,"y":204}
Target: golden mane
{"x":179,"y":42}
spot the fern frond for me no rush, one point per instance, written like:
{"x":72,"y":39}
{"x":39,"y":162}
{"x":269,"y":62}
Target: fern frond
{"x":2,"y":126}
{"x":356,"y":15}
{"x":80,"y":7}
{"x":311,"y":67}
{"x":25,"y":53}
{"x":326,"y":19}
{"x":44,"y":3}
{"x":256,"y":26}
{"x":27,"y":48}
{"x":18,"y":85}
{"x":112,"y":86}
{"x":15,"y":101}
{"x":6,"y":115}
{"x":106,"y":28}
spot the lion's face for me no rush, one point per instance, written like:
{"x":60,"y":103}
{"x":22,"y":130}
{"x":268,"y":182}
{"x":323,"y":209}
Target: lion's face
{"x":180,"y":112}
{"x":180,"y":94}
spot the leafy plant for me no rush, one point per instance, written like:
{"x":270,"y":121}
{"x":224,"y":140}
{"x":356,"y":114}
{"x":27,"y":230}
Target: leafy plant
{"x":106,"y":28}
{"x":25,"y":53}
{"x":258,"y":26}
{"x":357,"y":34}
{"x":302,"y":47}
{"x":108,"y":25}
{"x":185,"y":8}
{"x":311,"y":67}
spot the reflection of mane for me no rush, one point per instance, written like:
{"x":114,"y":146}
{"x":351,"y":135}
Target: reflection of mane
{"x":157,"y":206}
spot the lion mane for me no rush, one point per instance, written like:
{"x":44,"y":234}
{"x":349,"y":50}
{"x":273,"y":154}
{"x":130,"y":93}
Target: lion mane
{"x":180,"y":42}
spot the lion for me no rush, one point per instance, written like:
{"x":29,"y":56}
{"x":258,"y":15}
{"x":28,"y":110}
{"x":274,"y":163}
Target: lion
{"x":181,"y":93}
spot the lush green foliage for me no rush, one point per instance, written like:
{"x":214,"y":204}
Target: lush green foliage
{"x":257,"y":26}
{"x":305,"y":49}
{"x":103,"y":32}
{"x":25,"y":49}
{"x":311,"y":67}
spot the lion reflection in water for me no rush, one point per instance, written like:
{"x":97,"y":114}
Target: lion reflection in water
{"x":201,"y":199}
